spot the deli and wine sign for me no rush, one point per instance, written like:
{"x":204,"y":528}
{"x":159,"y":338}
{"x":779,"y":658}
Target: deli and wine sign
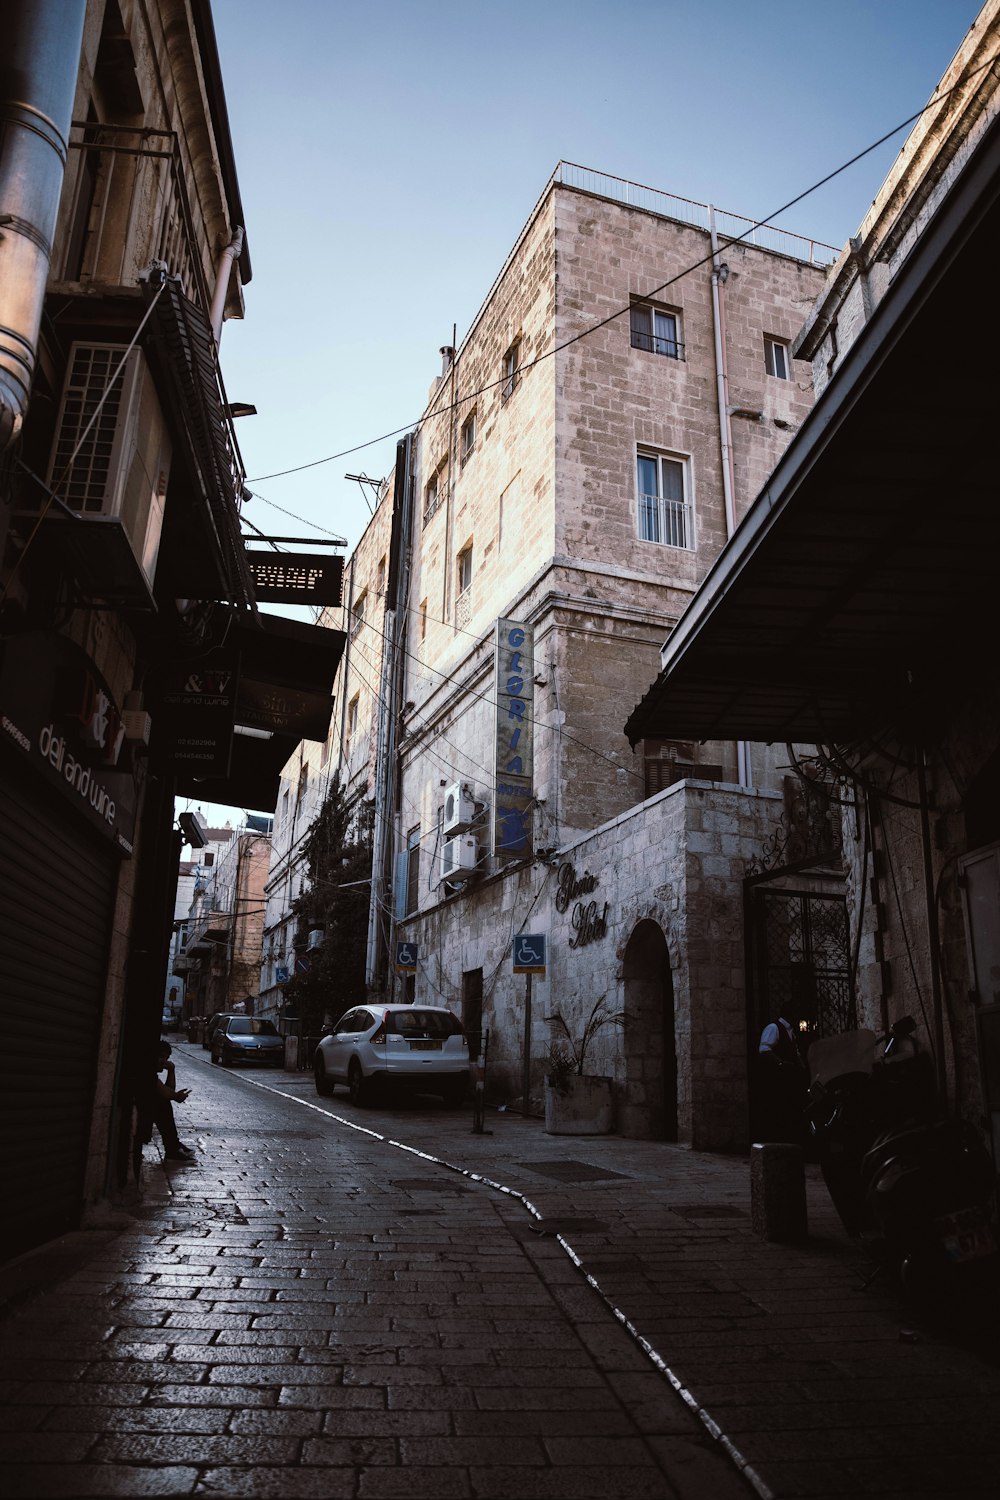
{"x":59,"y":713}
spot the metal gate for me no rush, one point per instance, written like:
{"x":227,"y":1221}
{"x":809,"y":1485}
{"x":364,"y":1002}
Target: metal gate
{"x":801,"y":961}
{"x":59,"y":887}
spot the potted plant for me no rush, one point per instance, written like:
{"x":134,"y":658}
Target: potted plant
{"x":578,"y":1103}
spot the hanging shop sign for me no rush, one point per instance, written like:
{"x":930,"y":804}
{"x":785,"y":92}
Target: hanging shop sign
{"x":57,"y":711}
{"x":588,"y":923}
{"x":296,"y":578}
{"x":195,"y":727}
{"x":515,"y":723}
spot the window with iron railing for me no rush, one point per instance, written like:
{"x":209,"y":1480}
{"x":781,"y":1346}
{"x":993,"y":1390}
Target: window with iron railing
{"x":656,"y":330}
{"x":664,"y":513}
{"x":463,"y":600}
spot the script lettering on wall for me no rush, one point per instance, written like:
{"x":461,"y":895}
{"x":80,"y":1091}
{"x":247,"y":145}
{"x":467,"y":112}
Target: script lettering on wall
{"x":588,"y":923}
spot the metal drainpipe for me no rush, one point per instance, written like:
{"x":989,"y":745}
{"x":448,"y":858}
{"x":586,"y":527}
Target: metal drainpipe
{"x":380,"y":934}
{"x":232,"y":253}
{"x":41,"y":60}
{"x":725,"y":435}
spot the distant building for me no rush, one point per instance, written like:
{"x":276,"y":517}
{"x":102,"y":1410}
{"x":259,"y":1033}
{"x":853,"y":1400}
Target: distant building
{"x":221,"y":952}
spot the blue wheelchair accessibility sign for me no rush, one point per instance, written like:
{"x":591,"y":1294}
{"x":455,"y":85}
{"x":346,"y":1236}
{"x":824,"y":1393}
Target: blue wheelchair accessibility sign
{"x":406,"y":957}
{"x":529,"y":953}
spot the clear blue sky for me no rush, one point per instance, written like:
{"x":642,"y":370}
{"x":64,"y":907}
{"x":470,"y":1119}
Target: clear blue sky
{"x":389,"y":152}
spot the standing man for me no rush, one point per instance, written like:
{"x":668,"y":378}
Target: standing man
{"x":783,"y":1082}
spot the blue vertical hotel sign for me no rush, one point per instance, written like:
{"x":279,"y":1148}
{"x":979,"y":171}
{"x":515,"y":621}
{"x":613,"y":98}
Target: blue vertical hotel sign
{"x":515,"y":691}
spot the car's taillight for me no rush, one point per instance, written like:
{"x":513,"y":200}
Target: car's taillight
{"x":378,"y":1036}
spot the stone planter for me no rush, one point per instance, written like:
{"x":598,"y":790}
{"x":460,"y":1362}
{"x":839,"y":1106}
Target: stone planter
{"x":585,"y":1110}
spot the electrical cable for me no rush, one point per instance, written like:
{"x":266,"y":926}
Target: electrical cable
{"x":936,"y":99}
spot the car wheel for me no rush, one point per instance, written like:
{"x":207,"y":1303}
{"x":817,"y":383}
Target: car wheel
{"x":356,"y":1084}
{"x":324,"y":1084}
{"x":214,"y":1056}
{"x":225,"y":1058}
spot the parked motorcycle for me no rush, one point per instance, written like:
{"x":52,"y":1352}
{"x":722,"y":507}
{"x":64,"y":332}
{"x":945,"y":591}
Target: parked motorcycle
{"x":916,"y":1187}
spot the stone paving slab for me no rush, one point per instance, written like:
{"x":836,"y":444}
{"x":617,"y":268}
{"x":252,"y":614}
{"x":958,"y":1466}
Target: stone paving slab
{"x":313,"y":1309}
{"x":311,"y":1312}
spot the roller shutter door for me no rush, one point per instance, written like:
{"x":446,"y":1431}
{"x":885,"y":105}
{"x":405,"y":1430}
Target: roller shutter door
{"x":58,"y":892}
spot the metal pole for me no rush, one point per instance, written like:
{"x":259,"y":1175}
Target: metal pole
{"x":526,"y":1065}
{"x":933,"y":935}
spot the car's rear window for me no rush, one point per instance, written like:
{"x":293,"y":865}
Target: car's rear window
{"x":423,"y":1023}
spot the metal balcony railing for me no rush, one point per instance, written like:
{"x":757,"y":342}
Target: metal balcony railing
{"x":665,"y":521}
{"x":130,"y":206}
{"x":657,"y":343}
{"x":728,"y":225}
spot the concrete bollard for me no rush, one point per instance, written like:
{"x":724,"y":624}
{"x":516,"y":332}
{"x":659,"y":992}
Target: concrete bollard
{"x":778,"y":1191}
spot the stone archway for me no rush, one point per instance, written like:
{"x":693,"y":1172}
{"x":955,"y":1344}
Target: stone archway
{"x":648,"y":1109}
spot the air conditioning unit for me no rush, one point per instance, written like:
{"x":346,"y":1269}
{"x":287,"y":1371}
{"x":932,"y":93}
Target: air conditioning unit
{"x":118,"y":478}
{"x":315,"y":938}
{"x":459,"y":857}
{"x":459,"y":810}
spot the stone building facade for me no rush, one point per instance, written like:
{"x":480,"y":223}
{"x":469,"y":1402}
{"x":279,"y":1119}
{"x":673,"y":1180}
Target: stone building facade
{"x":885,"y":502}
{"x":576,"y":482}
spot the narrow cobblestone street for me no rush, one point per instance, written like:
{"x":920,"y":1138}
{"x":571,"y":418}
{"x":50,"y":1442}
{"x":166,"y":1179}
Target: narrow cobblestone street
{"x":346,"y":1302}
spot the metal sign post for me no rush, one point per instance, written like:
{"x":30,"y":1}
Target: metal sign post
{"x":529,"y":959}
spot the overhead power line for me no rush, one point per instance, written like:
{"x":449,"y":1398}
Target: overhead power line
{"x":621,"y":311}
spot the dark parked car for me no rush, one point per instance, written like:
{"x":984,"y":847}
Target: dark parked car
{"x":422,"y":1048}
{"x":209,"y":1031}
{"x":247,"y":1039}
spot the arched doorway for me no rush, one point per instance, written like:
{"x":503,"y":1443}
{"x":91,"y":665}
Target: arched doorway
{"x":649,"y":1107}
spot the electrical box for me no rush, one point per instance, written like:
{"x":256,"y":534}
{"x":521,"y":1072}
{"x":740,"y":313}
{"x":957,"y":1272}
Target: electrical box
{"x":459,"y":857}
{"x":459,"y":810}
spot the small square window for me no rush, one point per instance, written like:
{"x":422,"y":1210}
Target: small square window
{"x":380,"y":577}
{"x":776,"y":358}
{"x":423,"y":619}
{"x":468,"y":436}
{"x":358,"y":614}
{"x":511,"y":371}
{"x":655,"y":329}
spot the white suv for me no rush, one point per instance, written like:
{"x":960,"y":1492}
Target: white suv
{"x":422,"y":1048}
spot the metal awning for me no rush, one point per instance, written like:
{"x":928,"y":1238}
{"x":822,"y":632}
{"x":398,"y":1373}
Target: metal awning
{"x":285,"y":694}
{"x":860,"y":587}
